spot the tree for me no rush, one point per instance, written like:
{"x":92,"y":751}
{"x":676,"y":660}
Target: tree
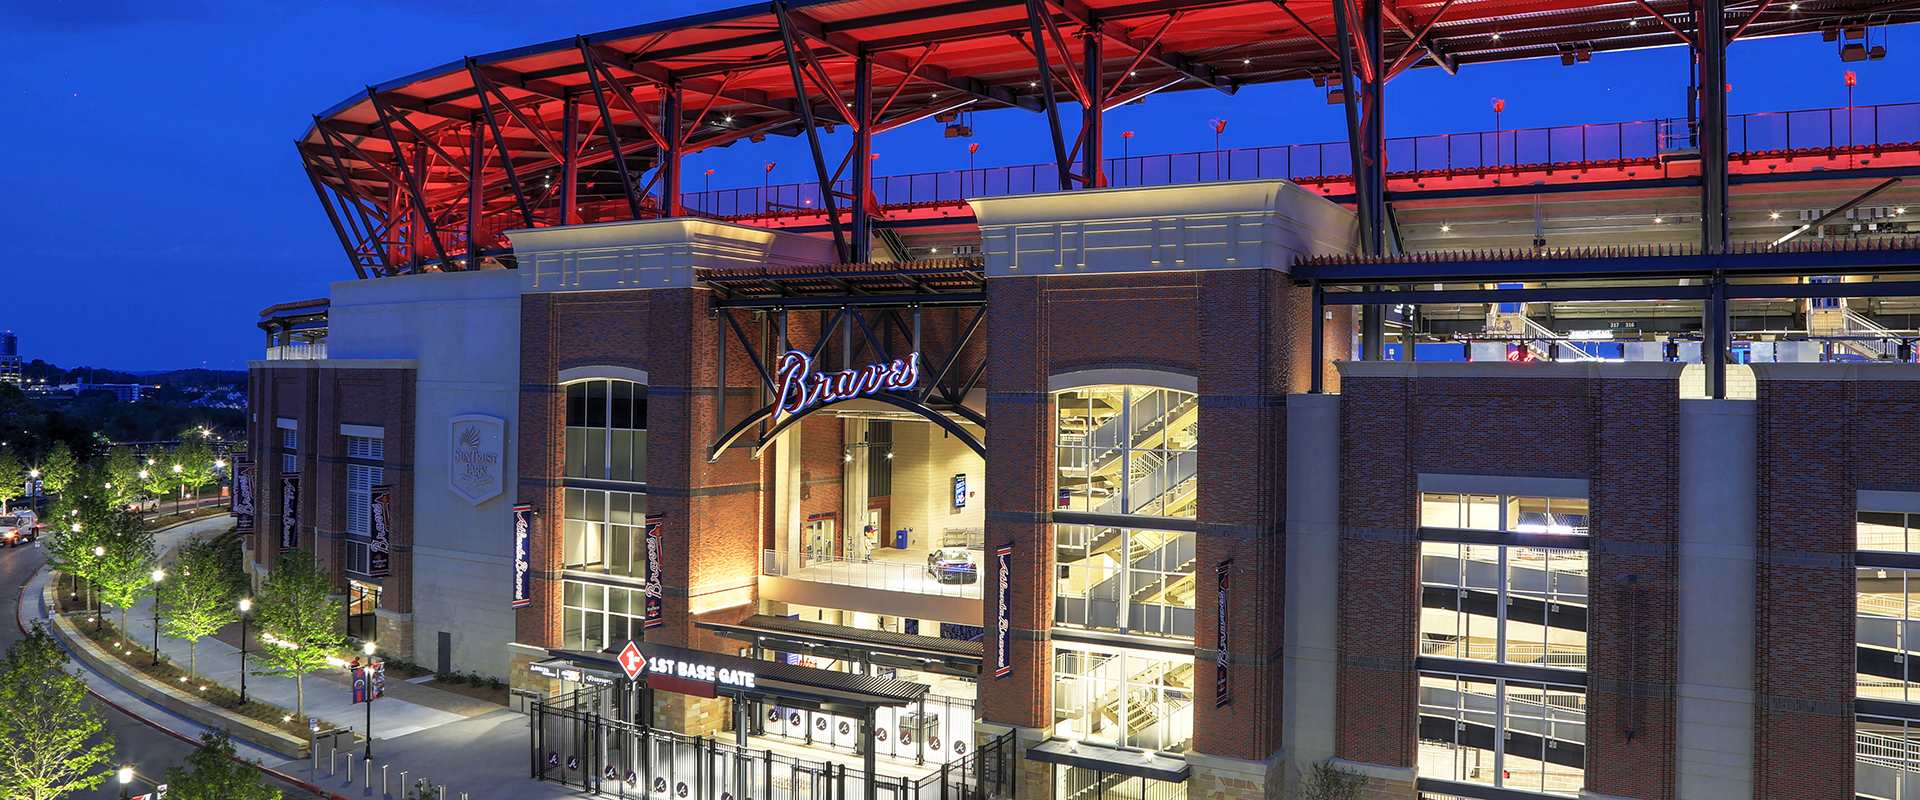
{"x":300,"y":620}
{"x":70,"y":549}
{"x":122,"y":474}
{"x":59,"y":470}
{"x":125,"y":571}
{"x":55,"y":737}
{"x":197,"y":598}
{"x":214,"y":771}
{"x":154,"y":478}
{"x":13,"y":477}
{"x":193,"y":464}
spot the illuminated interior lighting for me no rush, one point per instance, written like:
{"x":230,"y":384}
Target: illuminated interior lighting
{"x":1446,"y":229}
{"x":1774,"y":215}
{"x":1657,"y":220}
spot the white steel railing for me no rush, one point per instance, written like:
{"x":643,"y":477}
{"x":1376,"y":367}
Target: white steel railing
{"x":298,"y":351}
{"x":879,"y":573}
{"x":1856,"y":324}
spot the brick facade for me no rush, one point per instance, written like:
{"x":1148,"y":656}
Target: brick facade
{"x":320,"y":397}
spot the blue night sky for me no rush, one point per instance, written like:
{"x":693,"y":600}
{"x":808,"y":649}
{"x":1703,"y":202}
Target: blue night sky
{"x":153,"y":203}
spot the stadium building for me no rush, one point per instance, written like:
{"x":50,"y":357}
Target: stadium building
{"x":1562,"y":462}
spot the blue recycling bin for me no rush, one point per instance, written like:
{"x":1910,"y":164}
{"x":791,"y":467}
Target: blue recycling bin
{"x":900,"y":539}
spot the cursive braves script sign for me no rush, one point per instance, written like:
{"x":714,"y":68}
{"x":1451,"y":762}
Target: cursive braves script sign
{"x":801,"y":388}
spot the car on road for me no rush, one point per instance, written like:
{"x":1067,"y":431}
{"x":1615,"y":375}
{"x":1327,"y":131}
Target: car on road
{"x":19,"y":527}
{"x":953,"y":565}
{"x":143,"y":504}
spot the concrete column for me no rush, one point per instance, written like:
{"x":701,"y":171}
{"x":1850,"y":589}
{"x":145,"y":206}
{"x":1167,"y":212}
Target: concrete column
{"x":853,"y":485}
{"x":1717,"y":535}
{"x":1313,"y":591}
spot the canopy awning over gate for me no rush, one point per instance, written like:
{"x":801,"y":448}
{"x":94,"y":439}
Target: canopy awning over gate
{"x":787,"y":685}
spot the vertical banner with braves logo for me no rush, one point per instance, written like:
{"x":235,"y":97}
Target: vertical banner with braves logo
{"x":656,"y":528}
{"x":242,"y":488}
{"x":378,"y":522}
{"x":289,"y":512}
{"x":522,"y":555}
{"x":1003,"y":650}
{"x":1222,"y":689}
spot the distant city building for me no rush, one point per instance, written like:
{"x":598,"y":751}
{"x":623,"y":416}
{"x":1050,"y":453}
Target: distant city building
{"x":9,"y":357}
{"x":124,"y":392}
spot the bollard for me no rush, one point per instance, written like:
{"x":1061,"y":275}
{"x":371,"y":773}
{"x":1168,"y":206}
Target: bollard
{"x":333,"y":761}
{"x":383,"y":779}
{"x":403,"y":780}
{"x":349,"y":769}
{"x":443,"y":793}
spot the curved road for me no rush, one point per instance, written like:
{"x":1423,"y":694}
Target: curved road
{"x":149,"y":749}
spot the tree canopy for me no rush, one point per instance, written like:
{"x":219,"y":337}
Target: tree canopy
{"x":214,"y":771}
{"x":57,"y":741}
{"x":301,"y":621}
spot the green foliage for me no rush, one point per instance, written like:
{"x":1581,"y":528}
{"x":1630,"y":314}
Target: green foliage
{"x":124,"y":573}
{"x":1326,"y":781}
{"x":122,"y":473}
{"x":192,"y":464}
{"x":215,"y":772}
{"x":59,"y":469}
{"x":293,"y":607}
{"x":57,"y":741}
{"x":197,"y":598}
{"x":154,"y":479}
{"x":13,"y":476}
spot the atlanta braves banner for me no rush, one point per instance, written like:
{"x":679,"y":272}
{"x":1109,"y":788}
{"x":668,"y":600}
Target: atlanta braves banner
{"x":522,"y":555}
{"x":289,"y":512}
{"x":377,"y":517}
{"x":656,"y":526}
{"x":1003,"y":650}
{"x":369,"y":682}
{"x":242,"y":489}
{"x":1222,"y":689}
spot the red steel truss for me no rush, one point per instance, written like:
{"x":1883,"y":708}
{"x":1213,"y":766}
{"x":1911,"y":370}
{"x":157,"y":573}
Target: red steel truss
{"x":427,"y":172}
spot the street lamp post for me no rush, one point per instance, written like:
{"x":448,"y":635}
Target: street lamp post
{"x":158,"y":576}
{"x":246,"y":605}
{"x":126,"y":778}
{"x":366,"y":674}
{"x":99,"y":613}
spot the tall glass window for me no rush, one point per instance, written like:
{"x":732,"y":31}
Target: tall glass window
{"x":1125,"y":579}
{"x":594,"y":617}
{"x":1127,"y":450}
{"x":1565,"y":516}
{"x":1135,"y":698}
{"x":1507,"y":733}
{"x":607,"y":430}
{"x":604,"y":532}
{"x":1886,"y":758}
{"x":1888,"y":532}
{"x":1887,"y":631}
{"x":290,"y":459}
{"x":1517,"y":605}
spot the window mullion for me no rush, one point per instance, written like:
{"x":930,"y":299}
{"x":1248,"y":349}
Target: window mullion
{"x":1499,"y":731}
{"x":1500,"y":610}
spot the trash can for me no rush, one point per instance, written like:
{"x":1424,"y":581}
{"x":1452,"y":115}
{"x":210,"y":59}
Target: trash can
{"x":900,"y":539}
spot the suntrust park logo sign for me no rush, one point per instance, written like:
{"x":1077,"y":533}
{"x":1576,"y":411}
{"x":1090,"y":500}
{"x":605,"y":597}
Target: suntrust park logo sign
{"x":476,"y":457}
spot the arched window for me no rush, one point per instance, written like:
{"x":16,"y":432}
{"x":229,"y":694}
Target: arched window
{"x":1125,"y":450}
{"x":607,"y":430}
{"x":606,"y":442}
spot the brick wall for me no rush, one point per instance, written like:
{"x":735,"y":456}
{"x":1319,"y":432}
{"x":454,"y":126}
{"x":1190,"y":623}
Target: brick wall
{"x":1619,"y":433}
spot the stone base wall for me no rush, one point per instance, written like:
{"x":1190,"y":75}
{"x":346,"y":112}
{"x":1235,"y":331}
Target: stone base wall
{"x":395,"y":633}
{"x":693,"y":716}
{"x":1217,"y":778}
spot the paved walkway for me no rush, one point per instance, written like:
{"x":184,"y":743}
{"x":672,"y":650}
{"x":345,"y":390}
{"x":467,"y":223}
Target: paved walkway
{"x":482,"y":755}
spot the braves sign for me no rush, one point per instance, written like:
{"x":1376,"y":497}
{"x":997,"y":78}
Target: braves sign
{"x":801,"y":388}
{"x":656,"y":529}
{"x":289,"y":512}
{"x":382,"y":534}
{"x":1003,"y":649}
{"x":522,"y":555}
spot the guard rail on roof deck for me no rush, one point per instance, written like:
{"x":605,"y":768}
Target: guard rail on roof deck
{"x":1861,"y":130}
{"x":298,"y":351}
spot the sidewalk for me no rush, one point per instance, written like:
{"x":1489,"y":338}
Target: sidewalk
{"x":483,"y":754}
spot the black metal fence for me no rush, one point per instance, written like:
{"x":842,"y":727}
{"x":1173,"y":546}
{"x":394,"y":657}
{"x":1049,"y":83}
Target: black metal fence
{"x":574,"y":744}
